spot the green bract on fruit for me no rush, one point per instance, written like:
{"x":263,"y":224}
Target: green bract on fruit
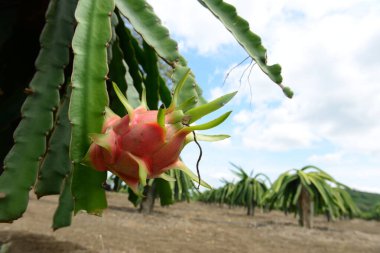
{"x":146,"y":143}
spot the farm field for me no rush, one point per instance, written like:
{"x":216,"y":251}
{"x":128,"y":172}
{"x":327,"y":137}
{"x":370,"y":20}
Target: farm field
{"x":183,"y":227}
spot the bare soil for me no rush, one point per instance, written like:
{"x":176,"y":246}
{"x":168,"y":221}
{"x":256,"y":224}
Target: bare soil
{"x":183,"y":227}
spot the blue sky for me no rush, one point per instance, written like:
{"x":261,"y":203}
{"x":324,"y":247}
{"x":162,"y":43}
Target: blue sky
{"x":330,"y":54}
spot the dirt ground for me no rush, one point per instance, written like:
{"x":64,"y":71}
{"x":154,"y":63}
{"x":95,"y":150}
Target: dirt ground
{"x":183,"y":227}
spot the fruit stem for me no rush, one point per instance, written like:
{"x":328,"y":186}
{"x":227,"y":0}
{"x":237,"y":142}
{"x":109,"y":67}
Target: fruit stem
{"x":199,"y":159}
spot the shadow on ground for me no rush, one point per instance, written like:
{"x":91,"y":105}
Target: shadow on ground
{"x":21,"y":242}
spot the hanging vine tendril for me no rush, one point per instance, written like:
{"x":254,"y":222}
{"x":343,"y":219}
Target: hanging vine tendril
{"x":199,"y":159}
{"x":185,"y":122}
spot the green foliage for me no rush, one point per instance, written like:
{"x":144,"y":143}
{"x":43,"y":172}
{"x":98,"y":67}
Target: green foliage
{"x":117,"y":73}
{"x":177,"y":186}
{"x":181,"y":188}
{"x":376,"y":211}
{"x":285,"y":193}
{"x":49,"y":151}
{"x":344,"y":204}
{"x":132,"y":53}
{"x":368,"y":203}
{"x":365,"y":200}
{"x":89,"y":97}
{"x":143,"y":19}
{"x":63,"y":214}
{"x":56,"y":163}
{"x":22,"y":162}
{"x":249,"y":191}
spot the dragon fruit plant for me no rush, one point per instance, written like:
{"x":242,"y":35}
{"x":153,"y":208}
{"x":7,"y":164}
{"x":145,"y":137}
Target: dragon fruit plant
{"x":52,"y":111}
{"x":146,"y":143}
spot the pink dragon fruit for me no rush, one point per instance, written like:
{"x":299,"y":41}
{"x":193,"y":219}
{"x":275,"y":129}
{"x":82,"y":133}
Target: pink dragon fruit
{"x":145,"y":144}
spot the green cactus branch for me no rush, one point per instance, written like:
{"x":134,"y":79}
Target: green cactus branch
{"x":140,"y":14}
{"x":64,"y":212}
{"x":128,"y":45}
{"x":89,"y":98}
{"x":114,"y":23}
{"x":21,"y":163}
{"x":152,"y":77}
{"x":56,"y":164}
{"x":250,"y":41}
{"x":164,"y":191}
{"x":164,"y":92}
{"x":189,"y":89}
{"x":148,"y":25}
{"x":117,"y":75}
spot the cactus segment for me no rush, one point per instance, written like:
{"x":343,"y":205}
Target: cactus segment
{"x":140,"y":14}
{"x":117,"y":74}
{"x":89,"y":98}
{"x":64,"y":212}
{"x":22,"y":162}
{"x":56,"y":163}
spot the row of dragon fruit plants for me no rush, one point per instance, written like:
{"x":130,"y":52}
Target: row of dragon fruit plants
{"x":305,"y":192}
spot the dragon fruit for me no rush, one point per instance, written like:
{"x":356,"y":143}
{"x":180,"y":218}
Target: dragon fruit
{"x":146,"y":143}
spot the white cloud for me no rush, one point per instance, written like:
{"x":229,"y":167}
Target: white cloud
{"x":326,"y":158}
{"x":272,"y":129}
